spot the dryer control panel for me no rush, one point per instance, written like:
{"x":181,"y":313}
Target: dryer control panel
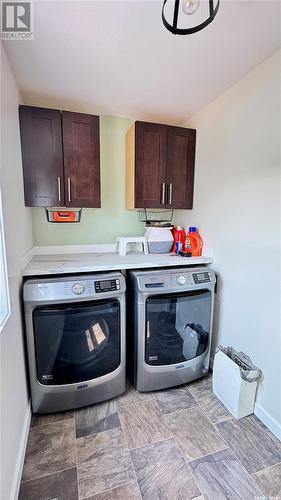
{"x":174,"y":280}
{"x":205,"y":277}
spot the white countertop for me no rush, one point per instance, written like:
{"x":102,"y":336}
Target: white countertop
{"x":91,"y":262}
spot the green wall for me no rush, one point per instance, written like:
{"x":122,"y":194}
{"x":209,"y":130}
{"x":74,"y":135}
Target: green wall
{"x":100,"y":225}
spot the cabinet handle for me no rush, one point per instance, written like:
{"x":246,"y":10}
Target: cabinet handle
{"x":59,"y":188}
{"x":170,"y":193}
{"x":69,"y":189}
{"x":163,"y":193}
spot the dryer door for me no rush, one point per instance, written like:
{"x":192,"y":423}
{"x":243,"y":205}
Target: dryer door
{"x":177,"y":327}
{"x":76,"y":342}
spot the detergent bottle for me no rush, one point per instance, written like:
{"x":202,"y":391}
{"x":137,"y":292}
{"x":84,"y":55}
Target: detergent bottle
{"x":193,"y":242}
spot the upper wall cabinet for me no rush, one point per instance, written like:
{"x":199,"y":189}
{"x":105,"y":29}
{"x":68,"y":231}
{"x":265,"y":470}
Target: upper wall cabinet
{"x":180,"y":167}
{"x":42,"y":156}
{"x":61,"y":158}
{"x":81,"y":152}
{"x":159,"y":166}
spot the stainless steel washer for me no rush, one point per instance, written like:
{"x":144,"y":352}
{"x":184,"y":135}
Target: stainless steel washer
{"x":75,"y":328}
{"x":169,"y":328}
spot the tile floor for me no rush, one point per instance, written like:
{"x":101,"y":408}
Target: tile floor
{"x":180,"y":443}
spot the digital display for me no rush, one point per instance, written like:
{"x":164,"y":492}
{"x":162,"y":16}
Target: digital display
{"x":201,"y":277}
{"x":107,"y":285}
{"x":104,"y":284}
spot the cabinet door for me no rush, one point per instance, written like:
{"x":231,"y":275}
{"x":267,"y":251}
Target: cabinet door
{"x":180,"y":167}
{"x":41,"y":143}
{"x":81,"y":149}
{"x":150,"y":165}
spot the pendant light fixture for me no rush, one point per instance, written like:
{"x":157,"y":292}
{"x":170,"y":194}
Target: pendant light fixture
{"x":189,"y":7}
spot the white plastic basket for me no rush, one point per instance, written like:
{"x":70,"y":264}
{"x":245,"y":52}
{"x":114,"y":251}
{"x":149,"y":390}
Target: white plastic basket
{"x":236,"y":393}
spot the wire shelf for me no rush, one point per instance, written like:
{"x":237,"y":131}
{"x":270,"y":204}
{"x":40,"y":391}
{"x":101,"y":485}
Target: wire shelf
{"x":156,"y":217}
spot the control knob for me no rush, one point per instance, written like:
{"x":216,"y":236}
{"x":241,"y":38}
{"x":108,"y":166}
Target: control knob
{"x":181,"y":280}
{"x":78,"y":288}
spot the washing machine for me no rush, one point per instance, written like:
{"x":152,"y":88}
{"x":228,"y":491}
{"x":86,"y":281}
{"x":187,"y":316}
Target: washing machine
{"x":169,"y":329}
{"x":75,"y":330}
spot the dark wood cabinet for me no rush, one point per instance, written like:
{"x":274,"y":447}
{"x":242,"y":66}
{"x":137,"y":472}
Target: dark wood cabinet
{"x":159,"y":166}
{"x":180,"y":167}
{"x":81,"y":152}
{"x":61,"y":158}
{"x":150,"y":168}
{"x":42,"y":156}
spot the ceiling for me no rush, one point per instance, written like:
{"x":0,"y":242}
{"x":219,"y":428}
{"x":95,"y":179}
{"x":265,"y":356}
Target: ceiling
{"x":116,"y":57}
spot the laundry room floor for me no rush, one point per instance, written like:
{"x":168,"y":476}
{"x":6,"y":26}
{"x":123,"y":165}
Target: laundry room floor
{"x":180,"y":443}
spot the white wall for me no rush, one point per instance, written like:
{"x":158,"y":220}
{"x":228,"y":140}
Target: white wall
{"x":237,"y":193}
{"x":18,"y":235}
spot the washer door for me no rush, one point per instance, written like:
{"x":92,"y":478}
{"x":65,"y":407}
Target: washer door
{"x":76,"y":342}
{"x":177,"y":327}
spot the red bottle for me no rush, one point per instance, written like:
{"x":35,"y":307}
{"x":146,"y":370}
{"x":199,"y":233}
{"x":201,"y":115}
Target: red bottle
{"x":178,"y":235}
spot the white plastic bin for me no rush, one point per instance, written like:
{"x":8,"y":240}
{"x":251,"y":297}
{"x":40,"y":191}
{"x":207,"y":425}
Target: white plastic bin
{"x":237,"y":394}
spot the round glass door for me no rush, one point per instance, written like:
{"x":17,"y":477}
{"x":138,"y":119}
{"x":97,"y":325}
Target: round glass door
{"x":76,"y":342}
{"x":177,"y":327}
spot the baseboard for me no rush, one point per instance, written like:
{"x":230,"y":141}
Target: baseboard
{"x":268,"y":421}
{"x":21,"y":454}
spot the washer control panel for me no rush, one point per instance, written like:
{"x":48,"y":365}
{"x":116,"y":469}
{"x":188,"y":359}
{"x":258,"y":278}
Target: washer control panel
{"x":107,"y":285}
{"x":205,"y":277}
{"x":83,"y":287}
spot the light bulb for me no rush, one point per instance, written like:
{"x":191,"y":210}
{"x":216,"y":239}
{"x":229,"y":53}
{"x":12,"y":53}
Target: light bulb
{"x":190,"y":6}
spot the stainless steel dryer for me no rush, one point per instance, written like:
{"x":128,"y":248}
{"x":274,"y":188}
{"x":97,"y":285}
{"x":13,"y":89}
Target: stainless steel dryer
{"x":169,"y":327}
{"x":75,"y":328}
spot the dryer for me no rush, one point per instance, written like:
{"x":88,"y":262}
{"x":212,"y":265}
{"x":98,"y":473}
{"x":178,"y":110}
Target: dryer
{"x":169,"y":329}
